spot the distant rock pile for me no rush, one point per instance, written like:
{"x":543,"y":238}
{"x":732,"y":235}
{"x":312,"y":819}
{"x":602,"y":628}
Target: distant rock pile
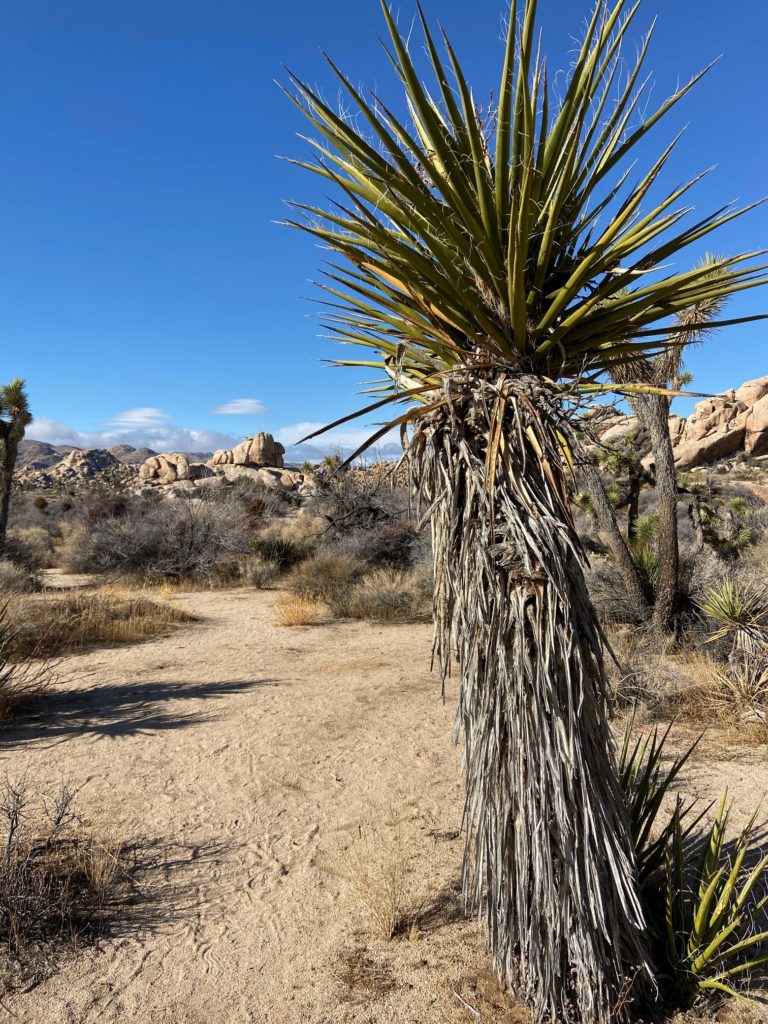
{"x":259,"y":450}
{"x":258,"y":458}
{"x":74,"y":468}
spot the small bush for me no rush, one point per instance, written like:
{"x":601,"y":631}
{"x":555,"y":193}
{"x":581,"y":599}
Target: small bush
{"x":327,"y":578}
{"x":391,"y":543}
{"x":14,"y":579}
{"x":21,"y":680}
{"x":183,"y":538}
{"x":390,"y":595}
{"x":277,"y":551}
{"x":52,"y":625}
{"x":59,"y":884}
{"x":293,"y":610}
{"x":257,"y":572}
{"x":30,"y":546}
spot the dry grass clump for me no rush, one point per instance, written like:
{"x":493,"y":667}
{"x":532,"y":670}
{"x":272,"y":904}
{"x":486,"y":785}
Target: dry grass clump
{"x":294,"y":610}
{"x":50,"y":625}
{"x":59,"y":883}
{"x":391,"y":595}
{"x":376,"y":866}
{"x":15,"y":579}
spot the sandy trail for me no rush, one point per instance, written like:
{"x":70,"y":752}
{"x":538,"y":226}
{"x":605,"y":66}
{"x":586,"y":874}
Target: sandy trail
{"x":248,"y":756}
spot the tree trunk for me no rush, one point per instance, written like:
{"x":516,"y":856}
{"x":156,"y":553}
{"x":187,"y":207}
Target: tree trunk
{"x":694,"y":511}
{"x":667,"y":584}
{"x":8,"y":455}
{"x":606,"y":520}
{"x":549,"y":859}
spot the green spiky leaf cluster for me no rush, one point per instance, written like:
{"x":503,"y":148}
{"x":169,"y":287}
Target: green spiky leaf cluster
{"x":713,"y":892}
{"x":523,"y":237}
{"x":713,"y":913}
{"x":646,"y":780}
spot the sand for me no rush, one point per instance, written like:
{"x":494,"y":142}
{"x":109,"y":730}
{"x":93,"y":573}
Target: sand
{"x":248,"y":760}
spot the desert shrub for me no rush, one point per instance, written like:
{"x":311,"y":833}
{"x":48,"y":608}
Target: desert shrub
{"x":295,"y":610}
{"x":14,"y":579}
{"x":30,"y":546}
{"x":609,"y":593}
{"x":255,"y":571}
{"x":59,"y":883}
{"x":51,"y":625}
{"x":358,"y":499}
{"x":393,"y":542}
{"x":328,"y":578}
{"x":188,"y":537}
{"x":21,"y":679}
{"x":40,"y":502}
{"x":277,"y":551}
{"x":390,"y":595}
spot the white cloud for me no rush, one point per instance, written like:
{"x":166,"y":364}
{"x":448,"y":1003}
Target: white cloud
{"x":135,"y":419}
{"x":128,"y":428}
{"x":241,"y":407}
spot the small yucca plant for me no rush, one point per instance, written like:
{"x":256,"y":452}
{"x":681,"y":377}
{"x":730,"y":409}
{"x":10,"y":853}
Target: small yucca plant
{"x":713,"y":912}
{"x":741,"y":613}
{"x":703,"y":896}
{"x":646,"y":782}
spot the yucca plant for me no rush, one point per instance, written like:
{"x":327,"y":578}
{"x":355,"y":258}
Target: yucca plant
{"x":741,"y":613}
{"x":714,"y":912}
{"x":645,"y":781}
{"x":473,"y":257}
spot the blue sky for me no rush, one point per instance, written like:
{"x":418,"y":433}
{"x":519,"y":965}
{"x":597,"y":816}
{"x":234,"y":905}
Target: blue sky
{"x":144,"y":282}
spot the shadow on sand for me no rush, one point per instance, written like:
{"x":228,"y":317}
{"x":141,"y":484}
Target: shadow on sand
{"x":117,"y":710}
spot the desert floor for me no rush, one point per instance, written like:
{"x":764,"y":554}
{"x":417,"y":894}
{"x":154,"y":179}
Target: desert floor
{"x":265,"y":772}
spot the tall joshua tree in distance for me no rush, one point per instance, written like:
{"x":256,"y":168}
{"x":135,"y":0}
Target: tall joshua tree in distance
{"x":15,"y":417}
{"x":472,"y":257}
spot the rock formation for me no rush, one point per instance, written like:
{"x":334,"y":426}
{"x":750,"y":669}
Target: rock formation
{"x":259,"y":450}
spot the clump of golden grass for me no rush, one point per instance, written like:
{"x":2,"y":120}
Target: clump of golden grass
{"x":376,"y":867}
{"x":294,"y":610}
{"x":50,"y":625}
{"x":58,"y":882}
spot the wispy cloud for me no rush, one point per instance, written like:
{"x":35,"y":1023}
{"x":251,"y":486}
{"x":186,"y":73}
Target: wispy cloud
{"x":241,"y":407}
{"x":136,"y":419}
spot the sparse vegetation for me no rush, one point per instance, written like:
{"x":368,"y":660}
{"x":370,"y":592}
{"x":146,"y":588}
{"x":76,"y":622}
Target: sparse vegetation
{"x":60,"y":883}
{"x":47,"y":626}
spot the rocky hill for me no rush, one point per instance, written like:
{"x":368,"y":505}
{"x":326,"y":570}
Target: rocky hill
{"x":40,"y":455}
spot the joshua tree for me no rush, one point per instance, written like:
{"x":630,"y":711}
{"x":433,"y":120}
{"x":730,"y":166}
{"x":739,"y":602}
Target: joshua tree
{"x":665,"y":371}
{"x":15,"y":417}
{"x":472,"y":257}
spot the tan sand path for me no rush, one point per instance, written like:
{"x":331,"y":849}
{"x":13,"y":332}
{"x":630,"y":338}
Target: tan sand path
{"x":249,"y":754}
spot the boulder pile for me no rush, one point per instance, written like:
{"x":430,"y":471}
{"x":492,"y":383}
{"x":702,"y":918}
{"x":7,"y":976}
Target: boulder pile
{"x":258,"y":458}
